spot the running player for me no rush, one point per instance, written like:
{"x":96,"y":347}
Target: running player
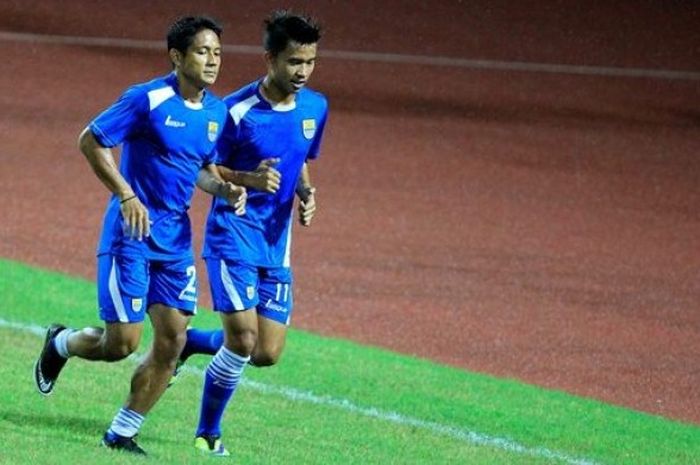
{"x":274,"y":127}
{"x":168,"y":128}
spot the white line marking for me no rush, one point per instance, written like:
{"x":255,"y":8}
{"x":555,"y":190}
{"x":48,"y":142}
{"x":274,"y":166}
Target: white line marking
{"x":494,"y":65}
{"x":297,"y":395}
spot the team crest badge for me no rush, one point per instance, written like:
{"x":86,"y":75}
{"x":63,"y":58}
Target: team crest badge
{"x":308,"y":127}
{"x":250,"y":292}
{"x":136,"y":305}
{"x":212,"y":130}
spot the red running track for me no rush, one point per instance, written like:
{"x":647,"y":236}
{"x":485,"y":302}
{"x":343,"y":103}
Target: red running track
{"x":540,"y":226}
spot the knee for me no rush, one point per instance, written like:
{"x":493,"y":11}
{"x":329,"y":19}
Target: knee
{"x":266,"y":356}
{"x":174,"y":342}
{"x":243,"y":342}
{"x":169,"y":346}
{"x":119,"y":341}
{"x":119,"y":351}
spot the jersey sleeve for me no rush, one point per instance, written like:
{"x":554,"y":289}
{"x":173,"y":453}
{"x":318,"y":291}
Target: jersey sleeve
{"x":121,"y":119}
{"x":228,"y":141}
{"x":211,"y":157}
{"x":316,"y":144}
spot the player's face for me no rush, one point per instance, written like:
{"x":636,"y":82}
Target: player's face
{"x":290,"y":69}
{"x":201,"y":64}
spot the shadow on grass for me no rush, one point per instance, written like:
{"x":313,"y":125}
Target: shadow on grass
{"x":64,"y":423}
{"x":74,"y":425}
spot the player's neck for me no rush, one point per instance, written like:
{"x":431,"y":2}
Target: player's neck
{"x":274,"y":94}
{"x":188,"y":90}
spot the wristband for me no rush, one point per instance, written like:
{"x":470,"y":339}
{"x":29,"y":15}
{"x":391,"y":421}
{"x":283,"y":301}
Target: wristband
{"x":307,"y":191}
{"x":127,"y":199}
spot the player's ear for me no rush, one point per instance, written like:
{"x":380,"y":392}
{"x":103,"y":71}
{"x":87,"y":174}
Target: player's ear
{"x":175,"y":57}
{"x":269,"y":58}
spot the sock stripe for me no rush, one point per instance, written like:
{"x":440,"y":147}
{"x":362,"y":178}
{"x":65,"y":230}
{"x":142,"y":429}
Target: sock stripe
{"x":226,"y":367}
{"x":222,"y":379}
{"x":127,"y":422}
{"x":230,"y":359}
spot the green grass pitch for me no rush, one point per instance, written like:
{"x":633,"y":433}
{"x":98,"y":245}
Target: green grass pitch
{"x":329,"y":401}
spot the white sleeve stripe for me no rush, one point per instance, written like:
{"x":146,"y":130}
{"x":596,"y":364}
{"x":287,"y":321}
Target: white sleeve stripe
{"x":116,"y":295}
{"x":158,"y":96}
{"x":239,"y":110}
{"x":230,"y":287}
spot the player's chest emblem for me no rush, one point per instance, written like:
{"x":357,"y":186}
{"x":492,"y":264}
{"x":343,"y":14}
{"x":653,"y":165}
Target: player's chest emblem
{"x":212,"y":130}
{"x":308,"y":128}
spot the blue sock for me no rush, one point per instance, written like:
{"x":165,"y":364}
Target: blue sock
{"x":222,"y":376}
{"x":200,"y":341}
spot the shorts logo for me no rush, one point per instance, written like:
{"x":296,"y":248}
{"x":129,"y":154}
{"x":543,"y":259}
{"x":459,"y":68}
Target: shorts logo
{"x":212,"y":130}
{"x":136,"y":305}
{"x":250,"y":292}
{"x":275,"y":307}
{"x":308,"y":127}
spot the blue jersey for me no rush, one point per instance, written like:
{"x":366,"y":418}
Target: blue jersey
{"x":166,"y":141}
{"x":256,"y":130}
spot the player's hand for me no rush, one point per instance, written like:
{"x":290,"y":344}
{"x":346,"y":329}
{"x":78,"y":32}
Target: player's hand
{"x":265,"y":177}
{"x":307,"y":206}
{"x":136,"y":222}
{"x":236,"y":196}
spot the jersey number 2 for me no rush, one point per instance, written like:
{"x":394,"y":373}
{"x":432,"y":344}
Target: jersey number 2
{"x":189,"y":293}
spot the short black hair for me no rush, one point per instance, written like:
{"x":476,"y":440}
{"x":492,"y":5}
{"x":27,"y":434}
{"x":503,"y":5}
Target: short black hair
{"x":283,"y":26}
{"x":182,"y":31}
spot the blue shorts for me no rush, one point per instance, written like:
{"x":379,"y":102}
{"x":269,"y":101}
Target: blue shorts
{"x":237,"y":286}
{"x":127,"y":286}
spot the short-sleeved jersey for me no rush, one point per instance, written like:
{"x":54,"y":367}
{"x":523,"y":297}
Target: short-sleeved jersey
{"x":166,"y":141}
{"x":256,"y":130}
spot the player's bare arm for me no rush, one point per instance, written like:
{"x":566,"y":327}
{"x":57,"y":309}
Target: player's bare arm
{"x":265,"y":178}
{"x":211,"y":182}
{"x":102,"y":162}
{"x":307,"y":199}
